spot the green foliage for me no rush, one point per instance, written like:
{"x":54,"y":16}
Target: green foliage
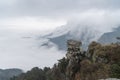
{"x":62,"y":64}
{"x":34,"y":74}
{"x":46,"y":69}
{"x":115,"y":70}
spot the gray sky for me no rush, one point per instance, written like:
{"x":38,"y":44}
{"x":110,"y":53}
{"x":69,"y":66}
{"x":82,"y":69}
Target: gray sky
{"x":17,"y":8}
{"x":21,"y":18}
{"x":51,"y":13}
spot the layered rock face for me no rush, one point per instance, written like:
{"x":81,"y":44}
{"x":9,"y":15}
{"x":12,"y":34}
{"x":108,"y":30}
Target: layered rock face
{"x":74,"y":56}
{"x":73,"y":48}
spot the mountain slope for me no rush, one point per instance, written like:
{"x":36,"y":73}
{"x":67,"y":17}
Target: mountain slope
{"x":9,"y":73}
{"x":110,"y":37}
{"x":86,"y":34}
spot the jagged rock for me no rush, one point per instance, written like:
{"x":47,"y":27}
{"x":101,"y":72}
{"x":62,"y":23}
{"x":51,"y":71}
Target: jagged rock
{"x":74,"y":56}
{"x":73,"y":48}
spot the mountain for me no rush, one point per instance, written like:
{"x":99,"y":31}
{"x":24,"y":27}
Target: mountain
{"x":83,"y":33}
{"x":110,"y":37}
{"x":100,"y":63}
{"x":9,"y":73}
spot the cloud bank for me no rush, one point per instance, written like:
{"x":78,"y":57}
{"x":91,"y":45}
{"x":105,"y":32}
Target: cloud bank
{"x":22,"y":50}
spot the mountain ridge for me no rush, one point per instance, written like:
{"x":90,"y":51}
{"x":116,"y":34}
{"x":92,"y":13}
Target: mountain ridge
{"x":110,"y":37}
{"x":6,"y":74}
{"x":77,"y":32}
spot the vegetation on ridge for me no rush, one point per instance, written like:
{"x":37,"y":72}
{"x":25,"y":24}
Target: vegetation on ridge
{"x":98,"y":62}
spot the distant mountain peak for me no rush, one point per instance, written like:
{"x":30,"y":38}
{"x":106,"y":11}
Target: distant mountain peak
{"x":110,"y":37}
{"x":86,"y":34}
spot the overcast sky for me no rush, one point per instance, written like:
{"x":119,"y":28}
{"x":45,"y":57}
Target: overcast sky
{"x":52,"y":13}
{"x":21,"y":18}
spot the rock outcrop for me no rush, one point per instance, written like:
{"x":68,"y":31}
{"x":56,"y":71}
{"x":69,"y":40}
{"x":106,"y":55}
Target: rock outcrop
{"x":74,"y":56}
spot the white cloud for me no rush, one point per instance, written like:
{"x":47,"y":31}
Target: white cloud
{"x":101,"y":20}
{"x":30,"y":23}
{"x":19,"y":51}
